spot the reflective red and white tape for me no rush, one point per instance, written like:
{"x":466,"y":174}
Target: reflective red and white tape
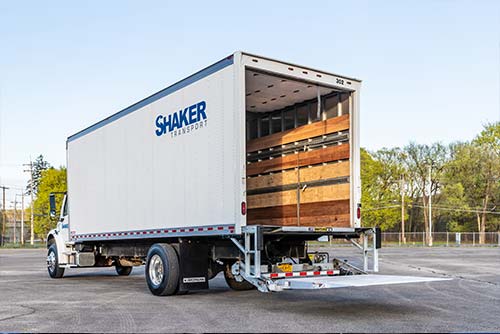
{"x":224,"y":229}
{"x":302,"y":274}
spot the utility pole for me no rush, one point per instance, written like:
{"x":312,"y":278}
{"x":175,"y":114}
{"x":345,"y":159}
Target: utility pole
{"x":403,"y":237}
{"x":3,"y":213}
{"x":430,"y":206}
{"x":22,"y":218}
{"x":30,"y":170}
{"x":15,"y":218}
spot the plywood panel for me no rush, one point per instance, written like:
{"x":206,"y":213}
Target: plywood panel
{"x":306,"y":174}
{"x":315,"y":129}
{"x":316,"y":221}
{"x":309,"y":195}
{"x":332,"y":153}
{"x":306,"y":209}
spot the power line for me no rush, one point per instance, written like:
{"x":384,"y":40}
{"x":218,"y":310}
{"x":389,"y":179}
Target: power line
{"x":383,"y":207}
{"x":462,"y":210}
{"x":492,"y":205}
{"x":14,"y":187}
{"x":437,"y":207}
{"x":457,"y":208}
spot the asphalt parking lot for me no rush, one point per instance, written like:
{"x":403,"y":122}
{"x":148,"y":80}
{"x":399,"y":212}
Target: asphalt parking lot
{"x":97,"y":300}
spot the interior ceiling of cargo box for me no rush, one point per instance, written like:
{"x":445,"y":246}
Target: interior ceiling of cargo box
{"x":265,"y":92}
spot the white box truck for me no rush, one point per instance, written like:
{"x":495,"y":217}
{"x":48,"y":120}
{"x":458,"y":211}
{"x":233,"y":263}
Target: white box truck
{"x":233,"y":169}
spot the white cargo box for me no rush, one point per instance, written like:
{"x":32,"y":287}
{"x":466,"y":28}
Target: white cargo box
{"x":175,"y":163}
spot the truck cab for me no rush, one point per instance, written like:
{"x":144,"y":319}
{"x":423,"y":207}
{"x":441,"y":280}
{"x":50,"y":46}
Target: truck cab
{"x":58,"y":238}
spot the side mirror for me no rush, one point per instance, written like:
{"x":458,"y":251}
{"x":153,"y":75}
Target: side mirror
{"x":52,"y":203}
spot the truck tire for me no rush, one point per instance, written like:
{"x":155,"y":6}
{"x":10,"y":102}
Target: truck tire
{"x":162,"y":270}
{"x":53,"y":263}
{"x":123,"y":271}
{"x":233,"y":283}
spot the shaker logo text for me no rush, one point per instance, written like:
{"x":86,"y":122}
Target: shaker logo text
{"x":183,"y":121}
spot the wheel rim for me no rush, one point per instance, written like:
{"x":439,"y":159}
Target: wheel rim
{"x":156,"y":270}
{"x":51,"y":261}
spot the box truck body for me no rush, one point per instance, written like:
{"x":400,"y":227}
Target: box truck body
{"x":178,"y":159}
{"x":171,"y":161}
{"x":232,"y":169}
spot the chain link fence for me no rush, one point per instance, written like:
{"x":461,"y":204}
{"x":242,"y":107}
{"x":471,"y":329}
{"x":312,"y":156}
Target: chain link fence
{"x":417,"y":239}
{"x":448,"y":239}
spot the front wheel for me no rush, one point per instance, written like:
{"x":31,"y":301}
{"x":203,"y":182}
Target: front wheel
{"x":53,"y":263}
{"x":162,"y":270}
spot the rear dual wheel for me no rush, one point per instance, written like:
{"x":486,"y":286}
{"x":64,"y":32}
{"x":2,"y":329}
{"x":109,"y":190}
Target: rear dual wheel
{"x":162,"y":270}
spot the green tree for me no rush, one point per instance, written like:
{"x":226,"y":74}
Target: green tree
{"x":51,"y":180}
{"x":419,"y":160}
{"x":454,"y":201}
{"x":380,"y":182}
{"x":475,"y":166}
{"x":39,"y":165}
{"x":489,"y":143}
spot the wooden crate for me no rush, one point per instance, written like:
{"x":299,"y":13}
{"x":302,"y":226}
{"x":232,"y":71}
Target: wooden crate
{"x":308,"y":185}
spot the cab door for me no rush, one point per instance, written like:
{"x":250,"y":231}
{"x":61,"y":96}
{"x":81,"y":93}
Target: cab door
{"x":63,"y":223}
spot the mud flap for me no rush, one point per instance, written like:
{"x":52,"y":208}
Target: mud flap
{"x":193,"y":260}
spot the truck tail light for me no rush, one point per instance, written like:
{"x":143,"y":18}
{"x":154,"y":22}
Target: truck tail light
{"x":243,"y":208}
{"x":358,"y":211}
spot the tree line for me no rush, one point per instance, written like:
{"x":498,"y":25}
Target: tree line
{"x":462,"y":178}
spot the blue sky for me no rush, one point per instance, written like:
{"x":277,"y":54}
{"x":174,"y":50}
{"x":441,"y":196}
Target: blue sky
{"x":430,"y":69}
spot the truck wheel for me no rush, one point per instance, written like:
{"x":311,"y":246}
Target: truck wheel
{"x":53,"y":263}
{"x":234,"y":283}
{"x":123,"y":271}
{"x":162,"y":270}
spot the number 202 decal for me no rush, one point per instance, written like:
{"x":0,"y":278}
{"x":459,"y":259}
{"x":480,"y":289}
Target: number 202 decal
{"x":340,"y":81}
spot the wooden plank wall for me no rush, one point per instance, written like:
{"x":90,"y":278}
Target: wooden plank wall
{"x":317,"y":179}
{"x":315,"y":129}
